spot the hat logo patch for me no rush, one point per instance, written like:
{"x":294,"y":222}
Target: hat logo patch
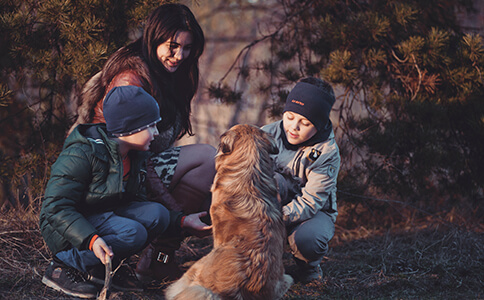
{"x":297,"y":102}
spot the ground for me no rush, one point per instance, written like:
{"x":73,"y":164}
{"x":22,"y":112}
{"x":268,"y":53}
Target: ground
{"x":422,"y":259}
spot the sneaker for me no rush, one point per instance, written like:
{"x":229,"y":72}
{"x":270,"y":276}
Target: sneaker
{"x":307,"y":275}
{"x":124,"y":278}
{"x":68,"y":280}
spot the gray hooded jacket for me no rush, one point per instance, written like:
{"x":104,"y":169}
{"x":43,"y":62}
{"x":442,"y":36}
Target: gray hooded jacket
{"x":317,"y":166}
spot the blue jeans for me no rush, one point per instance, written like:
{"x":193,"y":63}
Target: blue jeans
{"x":309,"y":240}
{"x":127,"y":230}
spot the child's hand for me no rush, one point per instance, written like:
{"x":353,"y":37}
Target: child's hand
{"x":102,"y":250}
{"x":195,"y":226}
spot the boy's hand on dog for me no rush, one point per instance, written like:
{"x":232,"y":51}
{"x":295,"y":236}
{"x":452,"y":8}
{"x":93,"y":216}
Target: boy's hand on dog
{"x":195,"y":226}
{"x":102,"y":250}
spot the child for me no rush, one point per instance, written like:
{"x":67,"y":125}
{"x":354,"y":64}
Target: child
{"x":95,"y":205}
{"x":307,"y":147}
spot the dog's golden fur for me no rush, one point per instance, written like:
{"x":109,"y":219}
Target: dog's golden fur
{"x":248,"y":231}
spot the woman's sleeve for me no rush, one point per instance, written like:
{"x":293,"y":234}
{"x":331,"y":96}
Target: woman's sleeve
{"x":122,"y":79}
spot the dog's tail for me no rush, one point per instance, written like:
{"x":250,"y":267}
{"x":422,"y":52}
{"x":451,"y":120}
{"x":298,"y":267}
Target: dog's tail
{"x":196,"y":292}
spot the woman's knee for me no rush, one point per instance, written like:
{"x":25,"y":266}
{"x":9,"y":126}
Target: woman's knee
{"x":208,"y":153}
{"x":206,"y":150}
{"x":198,"y":155}
{"x":205,"y":160}
{"x":196,"y":167}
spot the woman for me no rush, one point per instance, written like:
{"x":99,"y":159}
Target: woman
{"x":164,"y":62}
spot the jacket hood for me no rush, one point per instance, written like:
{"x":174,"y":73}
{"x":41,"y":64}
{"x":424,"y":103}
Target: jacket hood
{"x":96,"y":136}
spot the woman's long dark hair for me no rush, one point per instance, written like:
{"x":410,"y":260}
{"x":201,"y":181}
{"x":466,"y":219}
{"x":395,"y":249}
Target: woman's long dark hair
{"x":177,"y":89}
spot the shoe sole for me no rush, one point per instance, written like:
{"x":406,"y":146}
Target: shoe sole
{"x":143,"y":278}
{"x":149,"y":278}
{"x":114,"y":286}
{"x":56,"y":287}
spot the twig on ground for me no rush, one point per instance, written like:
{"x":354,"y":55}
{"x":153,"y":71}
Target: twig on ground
{"x":107,"y":280}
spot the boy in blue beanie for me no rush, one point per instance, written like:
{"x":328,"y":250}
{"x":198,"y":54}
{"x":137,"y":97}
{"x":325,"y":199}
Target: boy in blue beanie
{"x":307,"y":147}
{"x":95,"y":205}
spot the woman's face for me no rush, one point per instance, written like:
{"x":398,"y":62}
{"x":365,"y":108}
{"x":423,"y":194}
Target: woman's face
{"x":174,"y":51}
{"x":298,"y":129}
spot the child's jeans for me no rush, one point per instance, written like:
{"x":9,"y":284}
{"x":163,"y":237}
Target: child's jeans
{"x":127,"y":230}
{"x":309,"y":240}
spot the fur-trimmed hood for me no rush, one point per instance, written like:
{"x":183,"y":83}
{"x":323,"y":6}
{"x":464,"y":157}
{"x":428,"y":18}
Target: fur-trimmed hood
{"x":125,"y":67}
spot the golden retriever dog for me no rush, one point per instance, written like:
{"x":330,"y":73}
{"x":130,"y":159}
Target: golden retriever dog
{"x":248,"y":231}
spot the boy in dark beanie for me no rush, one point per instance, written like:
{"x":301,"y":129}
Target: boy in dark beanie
{"x":95,"y":205}
{"x":307,"y":147}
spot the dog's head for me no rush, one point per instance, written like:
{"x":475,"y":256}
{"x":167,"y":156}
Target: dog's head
{"x":244,"y":155}
{"x":244,"y":136}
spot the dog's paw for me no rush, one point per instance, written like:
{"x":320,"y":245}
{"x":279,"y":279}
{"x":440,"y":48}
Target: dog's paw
{"x":283,"y":286}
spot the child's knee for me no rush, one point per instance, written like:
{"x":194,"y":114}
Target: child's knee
{"x":309,"y":243}
{"x":134,"y":237}
{"x":312,"y":248}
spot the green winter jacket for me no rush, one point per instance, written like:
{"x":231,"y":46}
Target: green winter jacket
{"x":86,"y":178}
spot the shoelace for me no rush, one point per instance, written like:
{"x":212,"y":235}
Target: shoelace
{"x":76,"y":275}
{"x":126,"y":272}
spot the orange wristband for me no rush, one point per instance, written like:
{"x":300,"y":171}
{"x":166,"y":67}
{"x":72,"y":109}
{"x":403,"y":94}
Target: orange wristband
{"x":92,"y":241}
{"x":182,"y":220}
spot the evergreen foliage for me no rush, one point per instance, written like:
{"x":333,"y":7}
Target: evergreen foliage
{"x":48,"y":50}
{"x":410,"y":116}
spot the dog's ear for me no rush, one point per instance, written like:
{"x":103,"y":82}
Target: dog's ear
{"x":227,"y":142}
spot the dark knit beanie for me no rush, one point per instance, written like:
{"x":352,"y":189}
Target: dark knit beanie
{"x":129,"y":109}
{"x":311,"y":102}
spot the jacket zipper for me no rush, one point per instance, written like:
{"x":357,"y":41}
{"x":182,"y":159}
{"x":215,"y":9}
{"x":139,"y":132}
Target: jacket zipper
{"x":296,"y":164}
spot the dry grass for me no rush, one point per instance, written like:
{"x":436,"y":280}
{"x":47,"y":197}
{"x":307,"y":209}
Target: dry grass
{"x":431,"y":258}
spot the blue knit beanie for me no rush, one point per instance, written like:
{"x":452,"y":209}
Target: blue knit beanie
{"x":311,"y":102}
{"x":129,"y":109}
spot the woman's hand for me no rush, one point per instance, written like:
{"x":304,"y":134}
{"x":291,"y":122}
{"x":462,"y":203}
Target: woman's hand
{"x":195,"y":226}
{"x":102,"y":250}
